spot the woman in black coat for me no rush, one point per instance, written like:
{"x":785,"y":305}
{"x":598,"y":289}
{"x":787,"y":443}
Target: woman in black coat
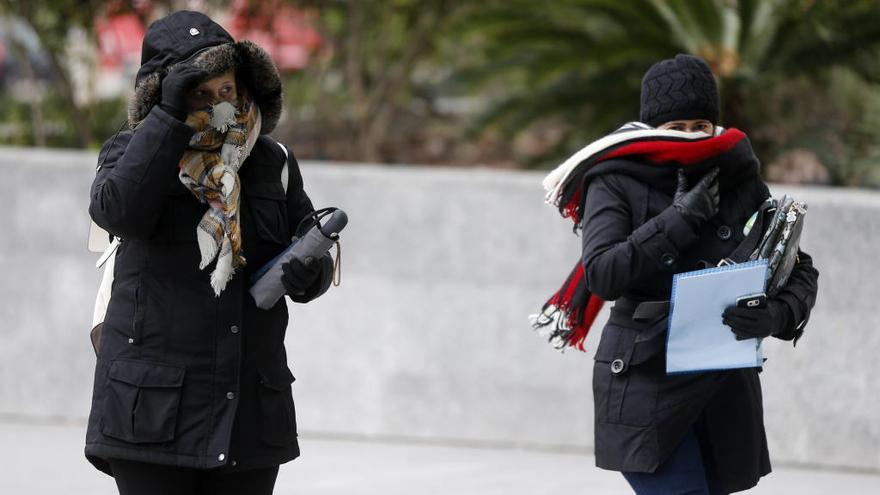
{"x":652,"y":204}
{"x":192,"y":392}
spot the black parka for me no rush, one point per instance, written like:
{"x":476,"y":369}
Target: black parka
{"x":633,"y":243}
{"x":184,"y":377}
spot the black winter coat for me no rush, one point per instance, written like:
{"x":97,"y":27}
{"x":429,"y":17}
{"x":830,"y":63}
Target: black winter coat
{"x":633,"y":243}
{"x":184,"y":377}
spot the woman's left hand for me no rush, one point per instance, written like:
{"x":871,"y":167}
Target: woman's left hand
{"x":750,"y":323}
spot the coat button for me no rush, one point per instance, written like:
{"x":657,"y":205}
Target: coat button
{"x":667,"y":259}
{"x":233,"y":329}
{"x":230,"y":395}
{"x":617,"y":366}
{"x":221,"y":457}
{"x":724,"y":232}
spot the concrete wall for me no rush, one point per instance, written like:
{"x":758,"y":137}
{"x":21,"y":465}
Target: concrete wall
{"x":427,"y":337}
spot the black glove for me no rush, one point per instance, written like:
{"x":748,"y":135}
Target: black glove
{"x":749,"y":323}
{"x":701,"y":202}
{"x":299,"y":276}
{"x":176,"y":87}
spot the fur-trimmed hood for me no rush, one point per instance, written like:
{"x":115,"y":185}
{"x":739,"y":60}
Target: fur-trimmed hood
{"x":192,"y":37}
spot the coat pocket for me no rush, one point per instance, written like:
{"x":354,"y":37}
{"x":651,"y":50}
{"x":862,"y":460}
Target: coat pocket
{"x":268,"y":205}
{"x":277,"y":411}
{"x":142,"y":401}
{"x":625,"y":378}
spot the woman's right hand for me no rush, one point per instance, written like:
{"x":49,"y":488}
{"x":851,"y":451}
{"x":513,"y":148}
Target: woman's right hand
{"x":700,"y":203}
{"x":176,"y":87}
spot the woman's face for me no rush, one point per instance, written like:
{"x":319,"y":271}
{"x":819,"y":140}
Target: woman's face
{"x":213,"y":91}
{"x":698,"y":125}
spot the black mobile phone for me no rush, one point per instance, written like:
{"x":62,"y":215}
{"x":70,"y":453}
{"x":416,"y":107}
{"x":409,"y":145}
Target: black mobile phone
{"x":752,"y":301}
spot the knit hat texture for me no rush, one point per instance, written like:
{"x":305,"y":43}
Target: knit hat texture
{"x":680,"y":88}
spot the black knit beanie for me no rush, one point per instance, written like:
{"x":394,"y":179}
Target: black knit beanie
{"x":680,"y":88}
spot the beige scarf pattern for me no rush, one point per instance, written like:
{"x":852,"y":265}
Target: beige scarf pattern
{"x":225,"y":135}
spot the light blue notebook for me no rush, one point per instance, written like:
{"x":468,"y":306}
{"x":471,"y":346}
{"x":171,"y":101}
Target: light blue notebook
{"x":698,"y":340}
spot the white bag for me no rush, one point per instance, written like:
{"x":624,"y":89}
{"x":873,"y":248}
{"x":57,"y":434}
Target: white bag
{"x":108,"y":261}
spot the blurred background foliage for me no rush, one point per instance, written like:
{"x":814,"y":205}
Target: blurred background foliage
{"x":505,"y":83}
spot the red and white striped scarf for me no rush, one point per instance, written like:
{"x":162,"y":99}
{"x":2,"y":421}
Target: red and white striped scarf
{"x":568,"y":315}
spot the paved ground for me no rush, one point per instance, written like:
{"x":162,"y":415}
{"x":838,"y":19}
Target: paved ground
{"x":47,"y":459}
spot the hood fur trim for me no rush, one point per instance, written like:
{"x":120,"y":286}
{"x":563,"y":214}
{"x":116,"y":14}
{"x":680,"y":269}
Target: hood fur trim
{"x":253,"y":67}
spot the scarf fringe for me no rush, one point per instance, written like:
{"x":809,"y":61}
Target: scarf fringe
{"x":561,"y":326}
{"x":207,"y":247}
{"x":230,"y":154}
{"x":566,"y":318}
{"x":223,"y":116}
{"x":223,"y":271}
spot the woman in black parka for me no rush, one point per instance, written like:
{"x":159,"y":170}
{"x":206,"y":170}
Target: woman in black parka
{"x":652,"y":203}
{"x":192,"y":392}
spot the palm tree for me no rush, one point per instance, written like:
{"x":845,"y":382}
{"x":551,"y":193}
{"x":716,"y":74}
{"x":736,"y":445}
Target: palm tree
{"x":578,"y":63}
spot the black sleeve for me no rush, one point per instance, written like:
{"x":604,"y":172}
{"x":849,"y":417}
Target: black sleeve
{"x":799,"y":294}
{"x":614,"y":254}
{"x":135,"y":171}
{"x":299,"y":206}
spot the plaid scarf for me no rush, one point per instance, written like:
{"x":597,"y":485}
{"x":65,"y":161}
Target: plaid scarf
{"x":225,"y":135}
{"x":567,"y":316}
